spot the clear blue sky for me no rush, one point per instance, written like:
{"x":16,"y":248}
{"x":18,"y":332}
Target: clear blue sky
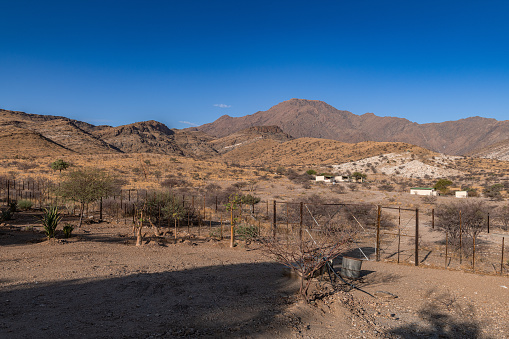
{"x":189,"y":62}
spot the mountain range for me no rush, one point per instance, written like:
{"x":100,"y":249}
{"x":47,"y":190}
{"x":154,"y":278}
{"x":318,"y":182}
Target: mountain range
{"x":310,"y":121}
{"x":316,"y":119}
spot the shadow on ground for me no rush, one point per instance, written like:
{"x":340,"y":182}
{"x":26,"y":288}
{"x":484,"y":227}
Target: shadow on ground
{"x":443,"y":317}
{"x":217,"y":301}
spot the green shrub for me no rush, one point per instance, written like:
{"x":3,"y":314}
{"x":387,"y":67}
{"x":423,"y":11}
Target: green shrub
{"x":50,"y":220}
{"x":24,"y":205}
{"x":311,"y":172}
{"x":68,"y":228}
{"x":246,"y":232}
{"x":249,"y":199}
{"x":6,"y":215}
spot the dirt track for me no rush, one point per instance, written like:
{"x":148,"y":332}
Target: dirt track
{"x":98,"y":284}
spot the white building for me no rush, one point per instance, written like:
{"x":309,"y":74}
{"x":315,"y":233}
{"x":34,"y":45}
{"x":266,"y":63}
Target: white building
{"x":423,"y":191}
{"x":461,"y":194}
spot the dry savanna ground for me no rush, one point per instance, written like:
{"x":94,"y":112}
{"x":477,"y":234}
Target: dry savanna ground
{"x":99,"y":284}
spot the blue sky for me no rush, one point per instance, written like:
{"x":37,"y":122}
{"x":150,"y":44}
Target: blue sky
{"x":189,"y":62}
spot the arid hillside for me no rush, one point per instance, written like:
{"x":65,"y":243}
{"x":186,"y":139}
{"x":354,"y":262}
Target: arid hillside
{"x":316,"y":119}
{"x":499,"y":150}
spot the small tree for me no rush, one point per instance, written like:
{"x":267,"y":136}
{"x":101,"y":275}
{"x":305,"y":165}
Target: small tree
{"x":503,"y":216}
{"x":59,"y":165}
{"x":87,"y":186}
{"x":442,"y":185}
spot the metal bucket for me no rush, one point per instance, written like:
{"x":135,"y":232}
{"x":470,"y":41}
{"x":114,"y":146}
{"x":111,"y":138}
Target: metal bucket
{"x":351,"y":267}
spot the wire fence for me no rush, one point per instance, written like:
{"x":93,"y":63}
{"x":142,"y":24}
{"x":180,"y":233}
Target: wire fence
{"x":395,"y":234}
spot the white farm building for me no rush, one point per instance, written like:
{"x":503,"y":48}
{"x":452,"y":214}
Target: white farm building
{"x":423,"y":191}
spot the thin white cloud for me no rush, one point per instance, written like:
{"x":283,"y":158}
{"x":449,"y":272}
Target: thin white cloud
{"x":189,"y":123}
{"x":222,"y":105}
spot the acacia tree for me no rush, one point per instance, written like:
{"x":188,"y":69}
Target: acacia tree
{"x":59,"y":165}
{"x":87,"y":186}
{"x":442,"y":185}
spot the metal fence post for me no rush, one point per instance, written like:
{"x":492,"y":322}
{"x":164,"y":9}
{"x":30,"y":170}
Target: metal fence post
{"x":379,"y":215}
{"x":274,"y":220}
{"x":416,"y":237}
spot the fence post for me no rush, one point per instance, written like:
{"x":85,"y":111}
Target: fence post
{"x":446,"y":248}
{"x":8,"y":193}
{"x":274,"y":220}
{"x":377,"y":249}
{"x":232,"y":230}
{"x":473,"y":255}
{"x":433,"y":218}
{"x":216,"y":203}
{"x":399,"y":241}
{"x":502,"y":258}
{"x":488,"y":223}
{"x":301,"y":220}
{"x":101,"y":209}
{"x":416,"y":237}
{"x":287,"y":221}
{"x":461,"y":240}
{"x":221,"y":231}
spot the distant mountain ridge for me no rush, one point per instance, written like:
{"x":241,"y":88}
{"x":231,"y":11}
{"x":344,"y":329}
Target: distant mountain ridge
{"x":34,"y":134}
{"x":316,"y":119}
{"x":249,"y":136}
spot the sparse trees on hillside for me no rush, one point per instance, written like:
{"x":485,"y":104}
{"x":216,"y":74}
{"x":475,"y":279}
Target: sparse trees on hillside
{"x":494,"y":191}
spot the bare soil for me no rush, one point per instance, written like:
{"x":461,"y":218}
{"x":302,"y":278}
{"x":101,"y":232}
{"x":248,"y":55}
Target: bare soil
{"x":98,"y":284}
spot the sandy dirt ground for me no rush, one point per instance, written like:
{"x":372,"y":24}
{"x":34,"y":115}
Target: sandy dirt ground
{"x":97,"y":284}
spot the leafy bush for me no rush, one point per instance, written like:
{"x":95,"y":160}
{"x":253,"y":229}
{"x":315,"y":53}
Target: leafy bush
{"x":25,"y":205}
{"x":246,"y":232}
{"x":311,"y":172}
{"x":50,"y":220}
{"x":249,"y":199}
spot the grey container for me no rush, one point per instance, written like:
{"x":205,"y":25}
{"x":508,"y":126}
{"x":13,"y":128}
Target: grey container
{"x":351,"y":267}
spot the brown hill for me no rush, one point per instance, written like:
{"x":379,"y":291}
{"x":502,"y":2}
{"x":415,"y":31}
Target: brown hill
{"x":311,"y":118}
{"x":499,"y":150}
{"x":66,"y":133}
{"x":140,"y":137}
{"x":314,"y":151}
{"x":16,"y":141}
{"x":250,"y":135}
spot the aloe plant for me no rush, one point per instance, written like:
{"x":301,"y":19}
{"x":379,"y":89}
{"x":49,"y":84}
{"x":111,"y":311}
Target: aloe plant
{"x":50,"y":220}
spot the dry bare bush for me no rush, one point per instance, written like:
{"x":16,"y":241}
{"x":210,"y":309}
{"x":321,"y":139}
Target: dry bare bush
{"x":502,"y":216}
{"x":306,"y":251}
{"x":468,"y":218}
